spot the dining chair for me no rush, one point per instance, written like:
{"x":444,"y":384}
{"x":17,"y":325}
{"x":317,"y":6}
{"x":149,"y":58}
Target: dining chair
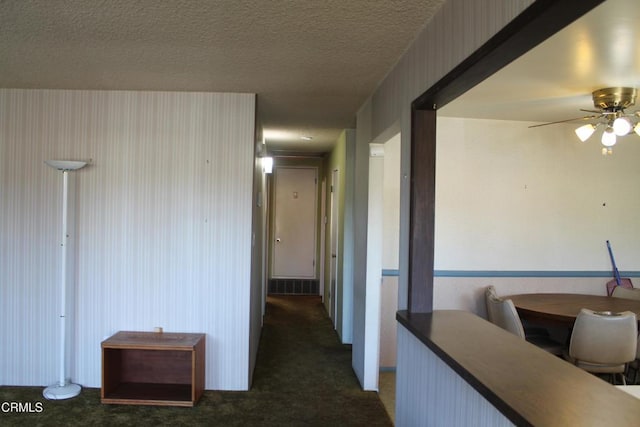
{"x":604,"y":342}
{"x":505,"y":315}
{"x":628,"y":293}
{"x":623,"y":282}
{"x":529,"y":331}
{"x":490,"y":292}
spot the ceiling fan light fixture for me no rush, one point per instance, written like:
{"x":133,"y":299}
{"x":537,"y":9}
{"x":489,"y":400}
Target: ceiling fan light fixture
{"x":617,"y":98}
{"x":608,"y":137}
{"x":621,"y":126}
{"x":610,"y":103}
{"x":585,"y":131}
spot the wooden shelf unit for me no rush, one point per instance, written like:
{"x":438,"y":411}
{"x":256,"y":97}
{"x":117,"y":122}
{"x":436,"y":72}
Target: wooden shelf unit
{"x":149,"y":368}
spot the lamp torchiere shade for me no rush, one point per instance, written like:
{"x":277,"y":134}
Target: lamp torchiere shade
{"x":66,"y":165}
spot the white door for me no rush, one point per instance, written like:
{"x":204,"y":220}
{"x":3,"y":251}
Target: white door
{"x":294,"y":248}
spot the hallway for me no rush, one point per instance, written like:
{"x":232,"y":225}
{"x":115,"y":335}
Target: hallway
{"x":301,"y":361}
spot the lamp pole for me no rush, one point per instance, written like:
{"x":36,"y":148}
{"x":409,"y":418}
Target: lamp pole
{"x":63,"y":389}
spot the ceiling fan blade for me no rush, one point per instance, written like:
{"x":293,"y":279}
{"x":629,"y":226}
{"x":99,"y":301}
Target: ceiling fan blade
{"x":568,"y":120}
{"x":591,"y":111}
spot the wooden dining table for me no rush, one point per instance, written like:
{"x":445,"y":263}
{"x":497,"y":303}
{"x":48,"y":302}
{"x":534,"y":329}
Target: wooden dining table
{"x":562,"y":309}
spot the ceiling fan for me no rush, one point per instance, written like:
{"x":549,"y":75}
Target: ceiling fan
{"x":610,"y":114}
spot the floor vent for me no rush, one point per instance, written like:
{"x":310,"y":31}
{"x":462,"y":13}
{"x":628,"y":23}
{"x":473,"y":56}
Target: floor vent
{"x":294,"y":286}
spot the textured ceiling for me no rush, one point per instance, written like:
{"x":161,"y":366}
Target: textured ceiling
{"x":311,"y":62}
{"x":555,"y":80}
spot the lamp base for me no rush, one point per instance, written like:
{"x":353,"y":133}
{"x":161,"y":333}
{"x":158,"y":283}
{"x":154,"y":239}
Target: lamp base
{"x":58,"y":392}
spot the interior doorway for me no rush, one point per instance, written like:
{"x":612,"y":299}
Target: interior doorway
{"x":390,"y":256}
{"x":388,"y":208}
{"x":383,"y":248}
{"x":294,"y":231}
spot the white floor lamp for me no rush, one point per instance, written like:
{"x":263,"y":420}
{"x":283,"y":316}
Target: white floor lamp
{"x":64,"y":388}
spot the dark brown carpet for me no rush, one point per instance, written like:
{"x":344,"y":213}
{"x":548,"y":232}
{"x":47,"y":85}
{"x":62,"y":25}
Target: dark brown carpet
{"x":303,"y":377}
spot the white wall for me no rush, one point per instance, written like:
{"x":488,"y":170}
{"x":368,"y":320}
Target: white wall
{"x":513,"y":198}
{"x":163,"y":217}
{"x":533,"y":202}
{"x":374,"y":268}
{"x":360,"y":219}
{"x":345,"y":302}
{"x":391,"y":204}
{"x":259,"y":244}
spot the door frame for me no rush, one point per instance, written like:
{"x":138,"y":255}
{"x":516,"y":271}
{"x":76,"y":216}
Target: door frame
{"x":334,"y":242}
{"x":272,"y":242}
{"x":323,"y":234}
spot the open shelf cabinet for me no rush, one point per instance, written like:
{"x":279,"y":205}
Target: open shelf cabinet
{"x":148,"y":368}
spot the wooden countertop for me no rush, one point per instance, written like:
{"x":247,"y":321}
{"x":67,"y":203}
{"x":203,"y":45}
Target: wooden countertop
{"x":538,"y":389}
{"x":152,"y":340}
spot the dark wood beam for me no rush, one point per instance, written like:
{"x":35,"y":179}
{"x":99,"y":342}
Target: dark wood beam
{"x":423,"y":188}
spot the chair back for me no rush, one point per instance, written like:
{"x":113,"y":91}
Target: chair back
{"x":611,"y":285}
{"x":490,"y":292}
{"x":604,"y":339}
{"x":504,"y":314}
{"x":628,"y":293}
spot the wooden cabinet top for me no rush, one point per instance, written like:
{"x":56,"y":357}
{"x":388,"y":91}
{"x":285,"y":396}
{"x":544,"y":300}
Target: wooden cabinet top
{"x":153,"y":340}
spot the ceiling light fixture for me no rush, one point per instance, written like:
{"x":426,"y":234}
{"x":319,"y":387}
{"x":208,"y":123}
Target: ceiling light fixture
{"x":585,"y":131}
{"x":621,"y":126}
{"x":609,"y":137}
{"x":611,"y":103}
